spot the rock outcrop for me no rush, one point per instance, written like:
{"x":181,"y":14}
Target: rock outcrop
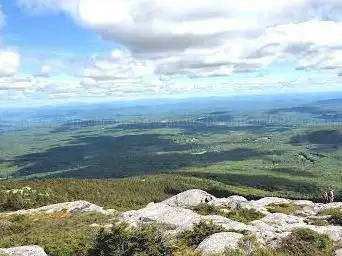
{"x":219,"y":242}
{"x":227,"y":223}
{"x":338,"y":252}
{"x":231,"y":202}
{"x":176,"y":217}
{"x":178,"y":214}
{"x":31,"y":250}
{"x":189,"y":199}
{"x":71,"y":207}
{"x":269,"y":230}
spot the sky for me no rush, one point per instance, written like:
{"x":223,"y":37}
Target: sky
{"x":86,"y":50}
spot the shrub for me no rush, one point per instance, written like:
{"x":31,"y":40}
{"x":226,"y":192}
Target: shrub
{"x":68,"y":235}
{"x":206,"y":209}
{"x":16,"y":199}
{"x":123,"y":241}
{"x":199,"y":232}
{"x":244,"y":215}
{"x":335,"y":215}
{"x":186,"y":252}
{"x":120,"y":194}
{"x":256,"y":252}
{"x":238,"y":214}
{"x":249,"y":246}
{"x":283,"y":208}
{"x":305,"y":242}
{"x":302,"y":242}
{"x":316,"y":222}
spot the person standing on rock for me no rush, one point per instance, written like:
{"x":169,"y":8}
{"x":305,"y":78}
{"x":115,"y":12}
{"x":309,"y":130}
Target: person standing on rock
{"x":331,"y":196}
{"x":325,"y":197}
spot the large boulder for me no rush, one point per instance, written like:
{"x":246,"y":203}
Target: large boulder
{"x":176,"y":217}
{"x":71,"y":207}
{"x":31,"y":250}
{"x":219,"y":242}
{"x":303,"y":203}
{"x":282,"y":222}
{"x":270,"y":238}
{"x":338,"y":252}
{"x":263,"y":202}
{"x":189,"y":199}
{"x":334,"y":232}
{"x":227,"y":223}
{"x":230,"y":202}
{"x":267,"y":234}
{"x":323,"y":207}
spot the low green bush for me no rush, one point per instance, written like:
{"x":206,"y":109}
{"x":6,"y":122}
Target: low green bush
{"x":335,"y":216}
{"x":302,"y":242}
{"x":244,"y":215}
{"x":120,"y":194}
{"x":207,"y":209}
{"x":60,"y":234}
{"x":238,"y":214}
{"x":317,"y":222}
{"x":124,"y":241}
{"x":199,"y":232}
{"x":283,"y":208}
{"x":305,"y":242}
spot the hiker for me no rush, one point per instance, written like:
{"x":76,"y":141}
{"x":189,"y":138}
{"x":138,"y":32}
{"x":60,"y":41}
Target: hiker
{"x":325,"y":197}
{"x":331,"y":196}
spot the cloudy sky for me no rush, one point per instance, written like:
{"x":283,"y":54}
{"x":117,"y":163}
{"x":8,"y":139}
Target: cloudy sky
{"x":66,"y":50}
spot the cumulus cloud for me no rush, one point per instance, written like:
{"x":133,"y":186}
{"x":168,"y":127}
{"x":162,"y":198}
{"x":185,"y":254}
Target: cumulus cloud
{"x":9,"y":62}
{"x":45,"y":71}
{"x":168,"y":46}
{"x":53,"y":6}
{"x":219,"y":37}
{"x":118,"y":65}
{"x":15,"y":83}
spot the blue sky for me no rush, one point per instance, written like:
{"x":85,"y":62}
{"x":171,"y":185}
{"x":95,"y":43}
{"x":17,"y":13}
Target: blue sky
{"x":85,"y":50}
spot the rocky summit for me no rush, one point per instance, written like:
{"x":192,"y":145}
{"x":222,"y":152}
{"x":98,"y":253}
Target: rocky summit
{"x":276,"y":218}
{"x":32,"y":250}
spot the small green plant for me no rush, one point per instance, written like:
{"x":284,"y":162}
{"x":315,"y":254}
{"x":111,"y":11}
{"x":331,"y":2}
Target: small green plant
{"x":122,"y":241}
{"x":317,"y":222}
{"x":185,"y":251}
{"x":238,"y":214}
{"x":249,"y":246}
{"x":199,"y":232}
{"x":257,"y":252}
{"x":283,"y":208}
{"x":244,"y":215}
{"x":305,"y":242}
{"x":335,"y":216}
{"x":16,"y":199}
{"x":68,"y":234}
{"x":206,"y":209}
{"x":302,"y":242}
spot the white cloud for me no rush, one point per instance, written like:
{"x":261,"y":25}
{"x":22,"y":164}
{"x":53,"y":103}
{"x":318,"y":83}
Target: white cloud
{"x":42,"y":6}
{"x":120,"y":64}
{"x":167,"y":46}
{"x":9,"y":62}
{"x":45,"y":71}
{"x":15,"y":83}
{"x":232,"y":28}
